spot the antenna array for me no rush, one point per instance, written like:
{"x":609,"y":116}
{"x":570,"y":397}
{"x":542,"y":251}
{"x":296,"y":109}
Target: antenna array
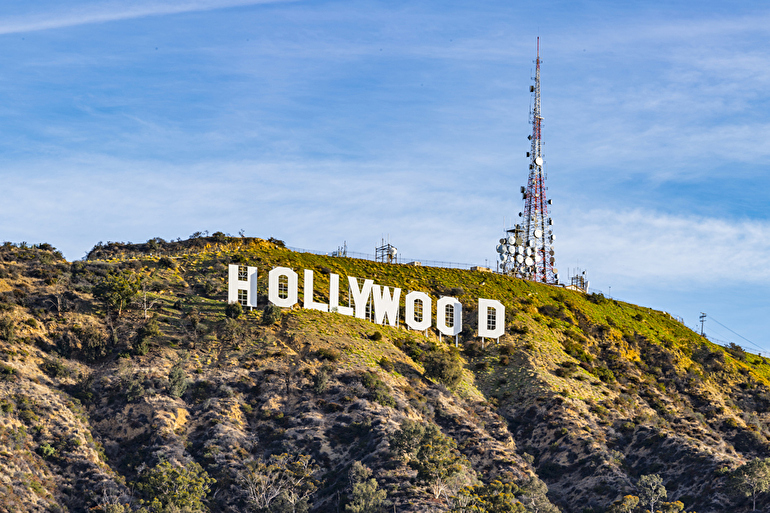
{"x":526,"y":250}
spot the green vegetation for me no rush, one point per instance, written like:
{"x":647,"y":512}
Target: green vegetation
{"x":437,"y":459}
{"x":365,"y":495}
{"x":444,"y":366}
{"x":282,"y":483}
{"x":494,"y":497}
{"x":651,"y":490}
{"x":177,"y":381}
{"x":117,"y":290}
{"x":753,"y":478}
{"x":169,"y":488}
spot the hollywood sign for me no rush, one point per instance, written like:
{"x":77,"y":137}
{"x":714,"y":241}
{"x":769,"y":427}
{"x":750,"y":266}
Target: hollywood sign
{"x":382,"y":302}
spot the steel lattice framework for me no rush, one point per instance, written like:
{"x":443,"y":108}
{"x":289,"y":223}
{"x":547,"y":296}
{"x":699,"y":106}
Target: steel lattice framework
{"x":527,"y":250}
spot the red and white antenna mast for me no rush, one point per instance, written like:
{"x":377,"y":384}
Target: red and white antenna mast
{"x":527,"y":250}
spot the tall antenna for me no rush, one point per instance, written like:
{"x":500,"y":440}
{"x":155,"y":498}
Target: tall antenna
{"x":527,"y":250}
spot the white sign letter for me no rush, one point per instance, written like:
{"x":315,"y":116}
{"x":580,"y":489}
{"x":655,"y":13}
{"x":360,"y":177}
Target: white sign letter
{"x":385,"y":304}
{"x":424,"y":298}
{"x":309,"y":303}
{"x":273,"y":293}
{"x":360,"y":297}
{"x":491,"y":324}
{"x":334,"y":296}
{"x":242,"y":278}
{"x":441,"y":317}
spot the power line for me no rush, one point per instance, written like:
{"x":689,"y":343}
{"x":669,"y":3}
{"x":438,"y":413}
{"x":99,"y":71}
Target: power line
{"x":734,"y":333}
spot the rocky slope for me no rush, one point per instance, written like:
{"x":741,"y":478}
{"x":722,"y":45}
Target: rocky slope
{"x":584,"y":393}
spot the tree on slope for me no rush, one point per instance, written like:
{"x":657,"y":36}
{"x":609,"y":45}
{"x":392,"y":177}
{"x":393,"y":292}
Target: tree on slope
{"x":651,"y":490}
{"x":117,"y":290}
{"x":753,"y":478}
{"x":365,"y":495}
{"x":175,"y":488}
{"x":438,"y":460}
{"x":283,"y":482}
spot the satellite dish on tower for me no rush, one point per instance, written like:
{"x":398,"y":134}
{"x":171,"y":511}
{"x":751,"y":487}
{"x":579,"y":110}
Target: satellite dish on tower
{"x":538,"y":233}
{"x":529,"y":261}
{"x":539,"y":161}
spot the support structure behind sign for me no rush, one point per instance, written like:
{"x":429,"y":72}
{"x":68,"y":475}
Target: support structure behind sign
{"x":386,"y":253}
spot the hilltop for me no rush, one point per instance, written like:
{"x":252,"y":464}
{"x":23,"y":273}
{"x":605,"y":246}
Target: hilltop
{"x":132,"y":357}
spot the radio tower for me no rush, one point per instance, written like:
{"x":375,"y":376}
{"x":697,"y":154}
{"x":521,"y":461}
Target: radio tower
{"x":527,"y":250}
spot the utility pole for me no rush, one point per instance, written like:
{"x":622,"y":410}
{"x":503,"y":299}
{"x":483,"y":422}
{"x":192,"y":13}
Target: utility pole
{"x":702,"y":320}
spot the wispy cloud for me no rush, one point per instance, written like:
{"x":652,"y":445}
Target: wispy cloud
{"x":113,"y":11}
{"x":640,"y":246}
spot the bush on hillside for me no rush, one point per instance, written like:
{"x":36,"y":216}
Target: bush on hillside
{"x":271,"y":314}
{"x":234,"y":310}
{"x":444,"y":367}
{"x":378,"y":390}
{"x":168,"y":487}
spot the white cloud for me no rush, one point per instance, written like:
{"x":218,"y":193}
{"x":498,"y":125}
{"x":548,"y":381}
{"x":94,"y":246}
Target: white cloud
{"x":639,"y":246}
{"x":113,"y":11}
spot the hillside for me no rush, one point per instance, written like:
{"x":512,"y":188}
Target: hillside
{"x":583,"y":394}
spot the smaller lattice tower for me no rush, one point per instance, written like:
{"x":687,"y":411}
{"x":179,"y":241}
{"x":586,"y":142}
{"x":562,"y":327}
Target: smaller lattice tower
{"x":386,"y":253}
{"x":526,"y":250}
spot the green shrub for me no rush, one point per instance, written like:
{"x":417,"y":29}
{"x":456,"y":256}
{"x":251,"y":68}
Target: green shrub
{"x":46,"y":450}
{"x":135,"y":389}
{"x":386,"y":364}
{"x":142,"y":347}
{"x":54,"y":368}
{"x":8,"y":373}
{"x":167,"y":262}
{"x":378,"y":390}
{"x":28,"y":416}
{"x":736,"y":351}
{"x":376,"y":336}
{"x":271,"y":314}
{"x":93,"y":343}
{"x":7,"y":329}
{"x":167,"y":487}
{"x":321,"y":379}
{"x":177,"y":381}
{"x":520,"y":328}
{"x":410,"y":347}
{"x":234,"y":310}
{"x":604,"y":374}
{"x":444,"y":367}
{"x":327,"y":353}
{"x":406,"y":440}
{"x":6,"y":406}
{"x":576,"y":351}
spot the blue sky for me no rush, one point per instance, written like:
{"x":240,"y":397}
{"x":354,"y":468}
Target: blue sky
{"x":322,"y":122}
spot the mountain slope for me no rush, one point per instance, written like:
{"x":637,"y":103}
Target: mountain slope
{"x":585,"y":393}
